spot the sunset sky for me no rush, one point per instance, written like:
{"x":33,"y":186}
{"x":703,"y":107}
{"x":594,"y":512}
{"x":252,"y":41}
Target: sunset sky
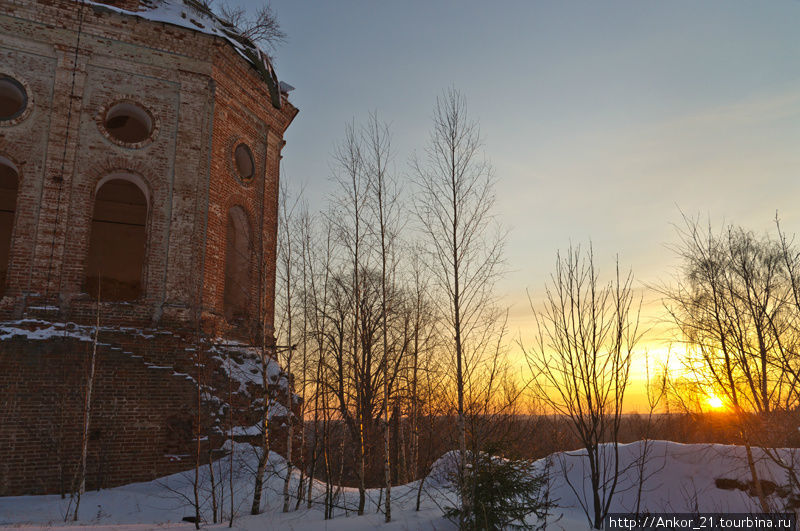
{"x":603,"y":120}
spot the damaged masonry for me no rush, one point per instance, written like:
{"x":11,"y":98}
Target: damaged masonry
{"x":140,"y":145}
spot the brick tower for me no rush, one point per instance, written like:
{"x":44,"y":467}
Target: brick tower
{"x":140,"y":145}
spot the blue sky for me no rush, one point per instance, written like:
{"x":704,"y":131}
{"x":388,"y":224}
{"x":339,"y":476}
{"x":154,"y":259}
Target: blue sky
{"x":601,"y":119}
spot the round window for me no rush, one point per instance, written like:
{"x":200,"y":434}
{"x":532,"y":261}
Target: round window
{"x":13,"y":98}
{"x":128,"y":123}
{"x":243,"y":158}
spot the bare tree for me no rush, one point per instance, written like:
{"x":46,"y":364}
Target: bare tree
{"x":318,"y":252}
{"x":580,"y":361}
{"x":734,"y":304}
{"x":347,"y":217}
{"x":423,"y":343}
{"x":655,"y":390}
{"x":198,"y":424}
{"x":303,"y":237}
{"x":263,"y":451}
{"x":261,"y":26}
{"x":386,"y":212}
{"x":287,"y":258}
{"x":265,"y":347}
{"x":454,"y":207}
{"x":318,"y":258}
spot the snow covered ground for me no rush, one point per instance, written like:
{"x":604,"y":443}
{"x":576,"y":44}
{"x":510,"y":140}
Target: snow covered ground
{"x":678,"y":478}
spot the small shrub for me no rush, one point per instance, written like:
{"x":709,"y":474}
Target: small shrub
{"x":502,"y":493}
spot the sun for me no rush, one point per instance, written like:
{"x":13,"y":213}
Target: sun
{"x":715,"y":402}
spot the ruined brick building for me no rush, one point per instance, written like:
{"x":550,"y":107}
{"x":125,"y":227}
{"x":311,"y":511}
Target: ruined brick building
{"x":140,"y":145}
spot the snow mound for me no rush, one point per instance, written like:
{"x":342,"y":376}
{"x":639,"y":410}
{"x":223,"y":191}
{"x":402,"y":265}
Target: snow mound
{"x":444,"y":470}
{"x":678,"y":478}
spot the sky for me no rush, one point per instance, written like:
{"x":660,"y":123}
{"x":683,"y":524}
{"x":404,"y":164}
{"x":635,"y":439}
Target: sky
{"x":603,"y":120}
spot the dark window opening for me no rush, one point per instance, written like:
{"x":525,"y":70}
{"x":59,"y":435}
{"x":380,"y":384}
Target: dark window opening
{"x":117,"y":242}
{"x":245,"y":166}
{"x":238,"y":253}
{"x":13,"y":98}
{"x":9,"y":184}
{"x":128,"y":123}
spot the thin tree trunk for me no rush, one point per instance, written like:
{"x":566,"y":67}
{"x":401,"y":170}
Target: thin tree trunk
{"x":315,"y":450}
{"x":462,"y":424}
{"x":287,"y":260}
{"x":419,"y":493}
{"x":287,"y":480}
{"x":414,"y":406}
{"x":264,"y":457}
{"x":387,"y":465}
{"x":341,"y":475}
{"x":356,"y":300}
{"x":290,"y":427}
{"x":754,"y":473}
{"x":214,"y":507}
{"x":230,"y":440}
{"x":198,"y":418}
{"x":304,"y":373}
{"x":401,"y":452}
{"x":327,"y":459}
{"x":362,"y":488}
{"x":313,"y":465}
{"x":87,"y":409}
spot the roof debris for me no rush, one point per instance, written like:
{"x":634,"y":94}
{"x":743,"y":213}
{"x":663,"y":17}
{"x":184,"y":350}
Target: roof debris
{"x":193,"y":15}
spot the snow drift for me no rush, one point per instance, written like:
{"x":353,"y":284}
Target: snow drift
{"x":677,"y":478}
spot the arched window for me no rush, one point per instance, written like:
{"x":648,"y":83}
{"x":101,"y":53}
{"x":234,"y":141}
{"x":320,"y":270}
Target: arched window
{"x":9,"y":183}
{"x":118,"y":239}
{"x":238,"y":253}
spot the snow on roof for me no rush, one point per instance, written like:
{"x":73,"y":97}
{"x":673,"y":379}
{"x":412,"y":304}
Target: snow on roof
{"x":192,"y":15}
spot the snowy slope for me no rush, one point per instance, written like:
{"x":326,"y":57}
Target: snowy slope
{"x":679,"y":478}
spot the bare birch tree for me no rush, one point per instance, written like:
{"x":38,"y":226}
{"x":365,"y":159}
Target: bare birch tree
{"x":423,"y":342}
{"x":303,"y":237}
{"x":265,"y":347}
{"x":385,"y":204}
{"x":347,"y":217}
{"x":87,"y":408}
{"x":230,"y":440}
{"x":454,"y":204}
{"x":318,"y":258}
{"x":287,"y":258}
{"x":198,"y":421}
{"x":581,"y":359}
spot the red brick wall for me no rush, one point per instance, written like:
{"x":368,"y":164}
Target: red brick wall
{"x":143,"y":413}
{"x":204,"y":99}
{"x":243,"y":113}
{"x":133,"y":407}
